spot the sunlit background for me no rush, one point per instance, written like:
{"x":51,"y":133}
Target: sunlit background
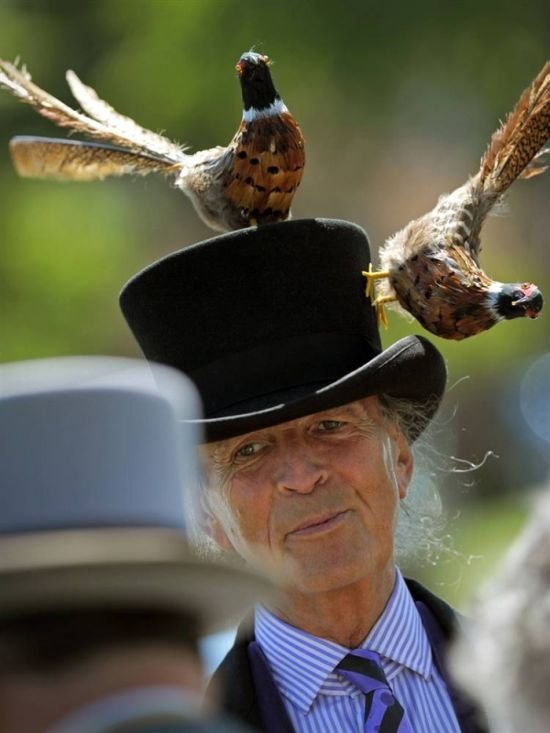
{"x":397,"y":101}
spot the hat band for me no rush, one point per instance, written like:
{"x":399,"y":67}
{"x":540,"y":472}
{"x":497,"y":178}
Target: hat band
{"x":287,"y":364}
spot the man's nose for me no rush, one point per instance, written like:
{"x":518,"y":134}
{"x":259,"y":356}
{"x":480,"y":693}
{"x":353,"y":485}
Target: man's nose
{"x":300,"y":470}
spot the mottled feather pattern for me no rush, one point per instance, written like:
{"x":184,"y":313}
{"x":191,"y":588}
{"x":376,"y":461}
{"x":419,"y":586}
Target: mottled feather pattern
{"x":518,"y":140}
{"x":433,"y":263}
{"x":250,"y":181}
{"x":443,"y":287}
{"x":458,"y":217}
{"x":439,"y":299}
{"x":67,"y":160}
{"x":267,"y":167}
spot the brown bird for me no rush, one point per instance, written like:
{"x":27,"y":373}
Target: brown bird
{"x":431,"y":267}
{"x":250,"y":181}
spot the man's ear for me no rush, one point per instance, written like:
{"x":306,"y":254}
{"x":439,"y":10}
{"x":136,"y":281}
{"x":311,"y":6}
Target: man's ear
{"x":404,"y":463}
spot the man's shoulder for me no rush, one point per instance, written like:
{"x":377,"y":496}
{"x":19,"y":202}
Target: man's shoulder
{"x":442,"y":623}
{"x":232,"y":684}
{"x":236,"y":663}
{"x":447,"y":618}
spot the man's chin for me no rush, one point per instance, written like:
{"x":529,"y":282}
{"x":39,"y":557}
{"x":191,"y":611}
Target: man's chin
{"x":323,"y":577}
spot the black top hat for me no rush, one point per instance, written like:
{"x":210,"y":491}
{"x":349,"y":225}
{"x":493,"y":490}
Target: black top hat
{"x":272,"y":323}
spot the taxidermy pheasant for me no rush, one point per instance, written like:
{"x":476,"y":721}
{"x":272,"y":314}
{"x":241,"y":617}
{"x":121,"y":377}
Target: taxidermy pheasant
{"x":251,"y":181}
{"x":431,"y":267}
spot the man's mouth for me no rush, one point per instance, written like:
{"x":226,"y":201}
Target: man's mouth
{"x":316,"y":525}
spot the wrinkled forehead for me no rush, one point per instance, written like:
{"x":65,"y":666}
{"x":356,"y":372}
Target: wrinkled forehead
{"x":366,"y":407}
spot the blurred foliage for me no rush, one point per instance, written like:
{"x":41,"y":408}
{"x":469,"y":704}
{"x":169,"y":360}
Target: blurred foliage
{"x":397,"y":101}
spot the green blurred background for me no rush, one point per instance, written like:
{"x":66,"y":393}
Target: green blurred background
{"x":397,"y":101}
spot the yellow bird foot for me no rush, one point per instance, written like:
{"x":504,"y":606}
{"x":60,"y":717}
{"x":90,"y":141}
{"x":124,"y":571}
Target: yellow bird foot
{"x":379,"y":305}
{"x":371,"y":277}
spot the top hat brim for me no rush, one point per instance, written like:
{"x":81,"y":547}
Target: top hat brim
{"x":412,"y":369}
{"x":122,"y":568}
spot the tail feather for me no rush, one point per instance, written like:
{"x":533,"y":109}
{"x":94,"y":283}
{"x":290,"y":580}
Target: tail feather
{"x":538,"y":165}
{"x":73,"y":160}
{"x":99,"y":110}
{"x":514,"y":148}
{"x":102,"y":123}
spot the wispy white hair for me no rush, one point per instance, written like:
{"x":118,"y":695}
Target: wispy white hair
{"x":419,"y":536}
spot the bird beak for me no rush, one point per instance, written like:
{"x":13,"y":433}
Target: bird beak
{"x":529,"y":291}
{"x":520,"y":301}
{"x":239,"y":67}
{"x":531,"y":300}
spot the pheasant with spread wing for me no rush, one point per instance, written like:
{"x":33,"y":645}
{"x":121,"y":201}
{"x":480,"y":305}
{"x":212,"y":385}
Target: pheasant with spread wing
{"x":431,"y":267}
{"x":251,"y":181}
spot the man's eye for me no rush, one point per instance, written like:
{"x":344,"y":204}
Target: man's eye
{"x":329,"y":426}
{"x":248,"y":450}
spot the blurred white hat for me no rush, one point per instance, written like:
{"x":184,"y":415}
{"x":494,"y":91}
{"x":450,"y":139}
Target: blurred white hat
{"x":96,"y":465}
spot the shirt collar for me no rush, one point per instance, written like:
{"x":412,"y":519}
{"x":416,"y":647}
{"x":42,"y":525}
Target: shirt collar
{"x":399,"y":634}
{"x":301,"y":663}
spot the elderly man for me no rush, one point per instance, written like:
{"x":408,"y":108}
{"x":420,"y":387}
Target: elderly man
{"x":309,"y":426}
{"x":102,"y":600}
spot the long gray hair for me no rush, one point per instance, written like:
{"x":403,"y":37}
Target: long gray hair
{"x":419,"y":536}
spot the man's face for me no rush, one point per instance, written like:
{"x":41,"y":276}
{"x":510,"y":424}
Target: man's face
{"x":315,"y":498}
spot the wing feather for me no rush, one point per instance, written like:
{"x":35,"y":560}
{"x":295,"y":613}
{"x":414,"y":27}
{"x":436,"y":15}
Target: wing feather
{"x":71,"y":160}
{"x":129,"y":136}
{"x":102,"y":111}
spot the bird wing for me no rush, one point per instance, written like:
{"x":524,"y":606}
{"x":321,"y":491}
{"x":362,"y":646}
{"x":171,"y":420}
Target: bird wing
{"x":101,"y":122}
{"x":515,"y":148}
{"x":43,"y":157}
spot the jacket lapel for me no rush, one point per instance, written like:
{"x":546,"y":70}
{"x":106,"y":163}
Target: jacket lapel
{"x":441,"y":624}
{"x":232,"y":684}
{"x":245,"y":688}
{"x":270,"y":702}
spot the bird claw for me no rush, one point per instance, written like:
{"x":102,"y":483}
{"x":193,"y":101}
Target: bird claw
{"x":377,"y":301}
{"x":382,"y":317}
{"x":379,"y":306}
{"x":371,"y":276}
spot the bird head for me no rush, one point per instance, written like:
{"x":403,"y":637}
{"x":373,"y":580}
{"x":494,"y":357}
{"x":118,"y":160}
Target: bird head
{"x":519,"y":300}
{"x":256,"y":83}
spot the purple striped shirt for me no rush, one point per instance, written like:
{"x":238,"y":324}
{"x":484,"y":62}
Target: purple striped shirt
{"x":319,"y":700}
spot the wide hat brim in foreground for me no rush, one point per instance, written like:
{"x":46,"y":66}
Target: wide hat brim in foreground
{"x":122,"y":568}
{"x":272,"y":324}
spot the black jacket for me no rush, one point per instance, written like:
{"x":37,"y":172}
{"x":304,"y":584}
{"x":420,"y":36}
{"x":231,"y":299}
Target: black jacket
{"x":245,"y":688}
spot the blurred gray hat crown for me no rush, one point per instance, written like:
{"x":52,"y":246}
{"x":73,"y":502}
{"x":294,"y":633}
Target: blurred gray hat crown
{"x":91,"y":442}
{"x":97,"y":461}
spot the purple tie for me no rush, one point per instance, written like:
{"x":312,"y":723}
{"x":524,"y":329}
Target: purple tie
{"x":383,"y":713}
